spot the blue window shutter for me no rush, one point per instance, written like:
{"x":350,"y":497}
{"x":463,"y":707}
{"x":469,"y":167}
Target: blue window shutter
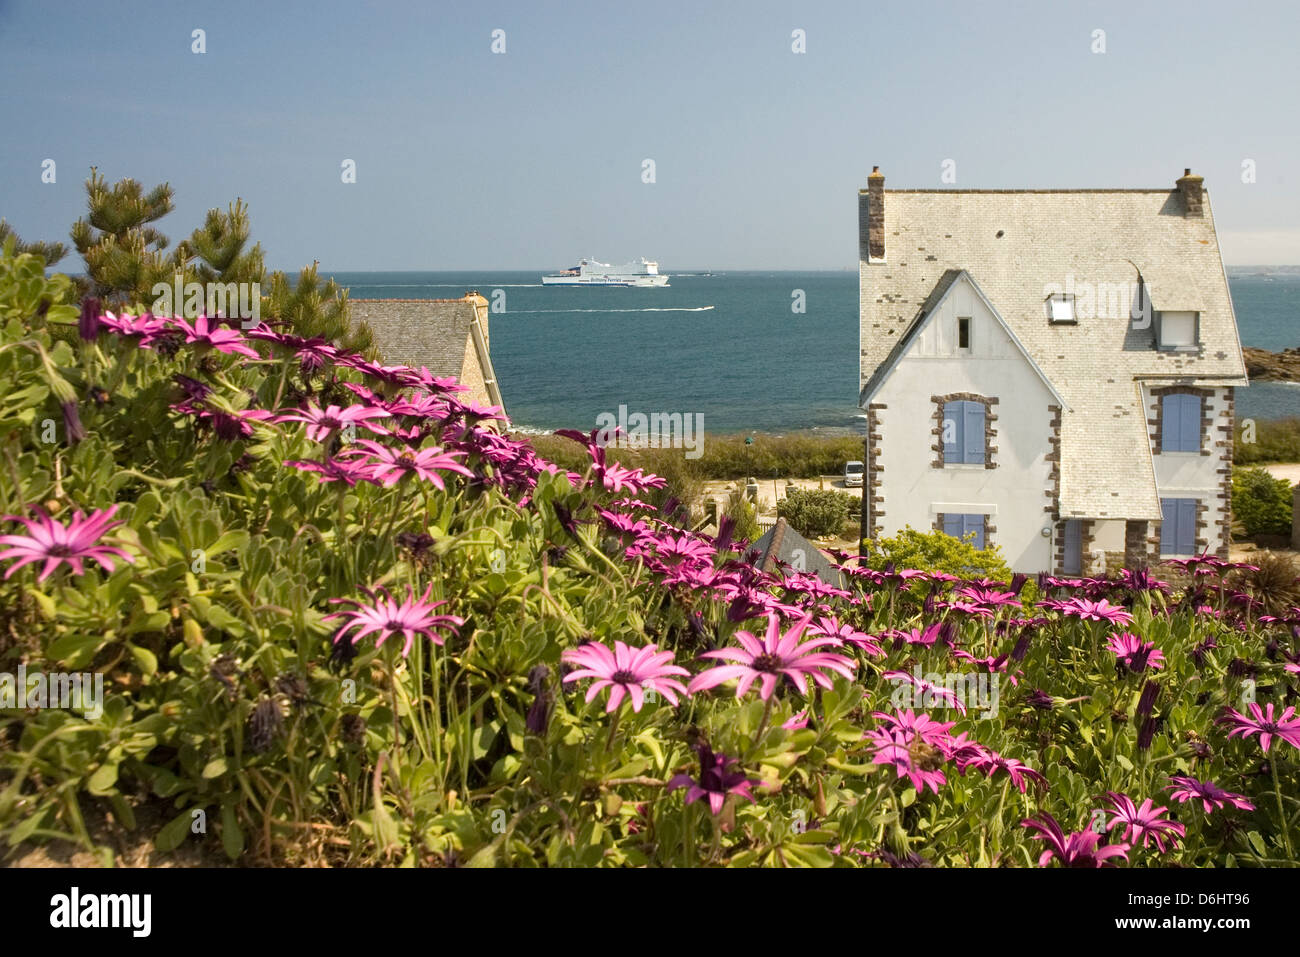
{"x":1168,"y":526}
{"x":951,"y":426}
{"x":952,"y":525}
{"x":1073,"y":547}
{"x":1180,"y":429}
{"x":1178,"y":526}
{"x":975,"y":523}
{"x":1187,"y":526}
{"x":1171,"y":423}
{"x":973,"y":429}
{"x":1190,"y":423}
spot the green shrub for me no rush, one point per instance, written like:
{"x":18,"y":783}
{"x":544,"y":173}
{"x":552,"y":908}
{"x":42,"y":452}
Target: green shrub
{"x":1276,"y":440}
{"x":1261,"y":503}
{"x":740,"y":511}
{"x":726,"y":457}
{"x":816,"y":513}
{"x":937,"y":552}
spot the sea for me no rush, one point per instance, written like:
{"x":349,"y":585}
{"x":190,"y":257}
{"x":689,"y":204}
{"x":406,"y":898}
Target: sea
{"x":763,"y":352}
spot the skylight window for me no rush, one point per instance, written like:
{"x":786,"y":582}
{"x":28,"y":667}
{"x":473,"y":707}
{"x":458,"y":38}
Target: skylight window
{"x":1060,"y":308}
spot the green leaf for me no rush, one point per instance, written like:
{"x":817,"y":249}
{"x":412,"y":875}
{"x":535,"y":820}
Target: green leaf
{"x":48,"y":607}
{"x":104,"y":780}
{"x":145,"y":659}
{"x":214,"y":768}
{"x":174,"y":831}
{"x":74,"y":649}
{"x":232,"y":835}
{"x":1257,"y":843}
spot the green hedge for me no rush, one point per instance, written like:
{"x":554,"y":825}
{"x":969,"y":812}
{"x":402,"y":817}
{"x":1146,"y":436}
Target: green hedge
{"x":1261,"y":504}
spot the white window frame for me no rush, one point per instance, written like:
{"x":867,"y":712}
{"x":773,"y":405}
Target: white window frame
{"x":1193,"y":346}
{"x":1064,"y":299}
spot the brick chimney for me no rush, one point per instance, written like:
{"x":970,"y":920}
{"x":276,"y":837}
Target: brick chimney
{"x":871,"y":215}
{"x":1193,"y":190}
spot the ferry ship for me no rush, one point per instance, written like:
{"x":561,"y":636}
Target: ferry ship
{"x":588,"y":272}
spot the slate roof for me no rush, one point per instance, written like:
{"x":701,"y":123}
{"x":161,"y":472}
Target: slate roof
{"x":780,"y":542}
{"x":1016,"y":244}
{"x":440,"y":334}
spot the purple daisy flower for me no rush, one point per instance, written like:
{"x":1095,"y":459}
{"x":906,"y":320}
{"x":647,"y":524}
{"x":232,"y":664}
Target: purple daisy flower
{"x":206,"y":332}
{"x":1102,"y":610}
{"x":1286,"y":726}
{"x":715,"y":782}
{"x":322,"y":423}
{"x":389,"y":466}
{"x":1211,"y":796}
{"x":385,"y":617}
{"x":1145,"y":822}
{"x":1073,"y":850}
{"x":777,"y":654}
{"x":54,"y":543}
{"x":1135,"y":654}
{"x":627,"y":672}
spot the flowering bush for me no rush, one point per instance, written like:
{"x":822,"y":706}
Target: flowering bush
{"x":341,"y":618}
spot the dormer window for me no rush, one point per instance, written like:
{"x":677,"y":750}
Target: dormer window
{"x":1178,"y":331}
{"x":1060,"y":308}
{"x":963,"y":333}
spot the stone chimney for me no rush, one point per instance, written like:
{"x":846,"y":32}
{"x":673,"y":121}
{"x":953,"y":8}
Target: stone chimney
{"x":871,"y":218}
{"x":1193,"y":190}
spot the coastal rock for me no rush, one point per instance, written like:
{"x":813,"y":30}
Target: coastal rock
{"x":1265,"y":366}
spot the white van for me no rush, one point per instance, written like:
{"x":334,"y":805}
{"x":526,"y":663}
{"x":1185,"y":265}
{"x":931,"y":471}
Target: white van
{"x":853,"y":475}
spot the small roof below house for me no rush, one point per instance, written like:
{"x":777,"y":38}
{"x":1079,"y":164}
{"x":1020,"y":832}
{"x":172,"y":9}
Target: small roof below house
{"x":783,"y":543}
{"x":449,"y":337}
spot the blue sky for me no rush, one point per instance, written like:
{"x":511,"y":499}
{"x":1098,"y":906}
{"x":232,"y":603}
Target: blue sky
{"x":468,"y":159}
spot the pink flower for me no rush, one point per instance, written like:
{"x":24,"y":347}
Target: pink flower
{"x":1075,"y":850}
{"x":389,"y":466}
{"x":1261,"y":722}
{"x":916,"y":636}
{"x":1096,"y":611}
{"x":672,"y":548}
{"x":613,"y":477}
{"x":1146,"y":822}
{"x":626,"y":672}
{"x":1135,"y":654}
{"x":146,"y":326}
{"x":775,"y":655}
{"x":847,"y":633}
{"x":797,"y":722}
{"x":53,"y":543}
{"x":332,"y":470}
{"x":1208,"y":793}
{"x":206,"y":333}
{"x":935,"y":692}
{"x":321,"y":424}
{"x":312,"y":353}
{"x":989,"y":596}
{"x":917,"y":725}
{"x":1021,"y":775}
{"x":386,"y":617}
{"x":910,"y":756}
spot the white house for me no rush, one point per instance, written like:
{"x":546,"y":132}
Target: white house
{"x":1051,"y":370}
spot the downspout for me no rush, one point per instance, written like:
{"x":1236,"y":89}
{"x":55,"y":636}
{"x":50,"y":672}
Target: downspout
{"x":485,"y":363}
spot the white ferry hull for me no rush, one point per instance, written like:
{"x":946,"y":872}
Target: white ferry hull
{"x":604,"y":281}
{"x":644,"y":274}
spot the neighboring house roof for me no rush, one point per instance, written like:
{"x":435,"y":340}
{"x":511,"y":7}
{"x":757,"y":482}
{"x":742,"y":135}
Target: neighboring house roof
{"x":447,"y":336}
{"x":1018,"y":243}
{"x":781,"y":542}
